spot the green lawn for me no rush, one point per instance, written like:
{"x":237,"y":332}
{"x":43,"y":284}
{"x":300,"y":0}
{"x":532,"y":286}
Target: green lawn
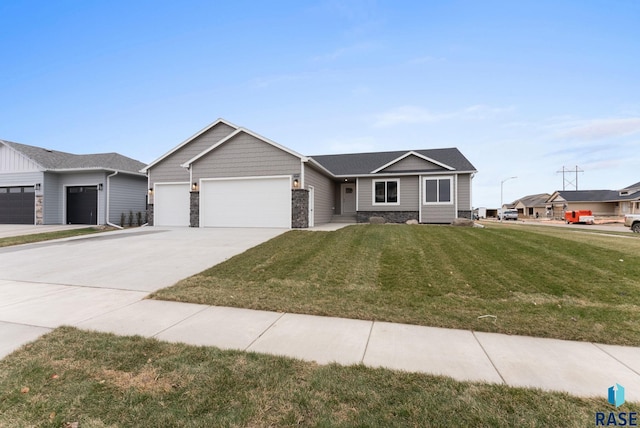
{"x":100,"y":380}
{"x":537,"y":281}
{"x":47,"y":236}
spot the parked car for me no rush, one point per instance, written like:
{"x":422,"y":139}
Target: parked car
{"x":510,"y":215}
{"x":632,"y":221}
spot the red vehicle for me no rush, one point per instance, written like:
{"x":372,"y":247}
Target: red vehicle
{"x":580,"y":216}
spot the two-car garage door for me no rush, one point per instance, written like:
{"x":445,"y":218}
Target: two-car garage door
{"x":246,"y":202}
{"x":237,"y":202}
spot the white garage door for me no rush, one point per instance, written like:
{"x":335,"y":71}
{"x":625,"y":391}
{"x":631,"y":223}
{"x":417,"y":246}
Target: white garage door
{"x":252,"y":202}
{"x":171,"y":204}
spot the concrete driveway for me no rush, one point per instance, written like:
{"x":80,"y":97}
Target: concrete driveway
{"x":64,"y":282}
{"x":142,"y":259}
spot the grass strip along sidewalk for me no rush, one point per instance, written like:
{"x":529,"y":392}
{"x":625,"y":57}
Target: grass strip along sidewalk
{"x":47,"y":236}
{"x":100,"y":380}
{"x":559,"y":284}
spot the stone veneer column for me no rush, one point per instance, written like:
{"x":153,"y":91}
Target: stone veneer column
{"x":299,"y":208}
{"x":194,"y":210}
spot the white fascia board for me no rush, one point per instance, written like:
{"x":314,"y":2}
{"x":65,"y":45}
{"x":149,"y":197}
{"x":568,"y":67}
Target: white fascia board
{"x":188,"y":163}
{"x":119,"y":171}
{"x":188,"y":140}
{"x":402,"y":174}
{"x":412,"y":153}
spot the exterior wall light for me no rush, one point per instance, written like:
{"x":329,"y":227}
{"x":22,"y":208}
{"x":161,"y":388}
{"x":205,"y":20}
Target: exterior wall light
{"x":100,"y":186}
{"x":150,"y":189}
{"x":296,"y":183}
{"x":194,"y":186}
{"x":37,"y":186}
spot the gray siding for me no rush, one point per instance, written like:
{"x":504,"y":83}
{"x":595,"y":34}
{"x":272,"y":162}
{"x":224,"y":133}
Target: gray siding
{"x":244,"y":156}
{"x":464,"y":192}
{"x":412,"y":163}
{"x":8,"y":179}
{"x":409,"y":194}
{"x":12,"y":161}
{"x":169,"y":169}
{"x":324,"y":194}
{"x":126,"y":193}
{"x":83,"y":179}
{"x":438,"y":213}
{"x":52,"y":195}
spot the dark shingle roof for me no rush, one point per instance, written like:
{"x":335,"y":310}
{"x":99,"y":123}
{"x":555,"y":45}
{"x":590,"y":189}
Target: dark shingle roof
{"x":633,"y":186}
{"x":365,"y":163}
{"x":55,"y":160}
{"x":589,"y":195}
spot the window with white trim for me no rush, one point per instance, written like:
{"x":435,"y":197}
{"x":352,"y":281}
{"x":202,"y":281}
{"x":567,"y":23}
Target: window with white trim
{"x":438,"y":190}
{"x":386,"y":192}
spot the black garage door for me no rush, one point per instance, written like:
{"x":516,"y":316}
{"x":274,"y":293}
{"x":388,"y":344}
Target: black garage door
{"x":82,"y":205}
{"x":17,"y":205}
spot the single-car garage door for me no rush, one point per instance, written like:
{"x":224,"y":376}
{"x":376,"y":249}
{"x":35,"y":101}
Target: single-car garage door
{"x":247,"y":202}
{"x":171,"y":204}
{"x":17,"y":205}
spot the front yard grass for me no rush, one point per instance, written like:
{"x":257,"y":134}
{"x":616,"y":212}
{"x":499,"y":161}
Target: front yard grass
{"x":560,"y":284}
{"x":100,"y":380}
{"x":47,"y":236}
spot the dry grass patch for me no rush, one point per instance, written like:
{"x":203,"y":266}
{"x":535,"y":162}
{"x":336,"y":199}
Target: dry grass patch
{"x":100,"y":380}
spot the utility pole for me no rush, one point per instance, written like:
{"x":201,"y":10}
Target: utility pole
{"x":501,"y":197}
{"x":568,"y":181}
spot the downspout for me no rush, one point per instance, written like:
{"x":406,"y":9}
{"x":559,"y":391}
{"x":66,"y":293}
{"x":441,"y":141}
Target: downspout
{"x":108,"y":198}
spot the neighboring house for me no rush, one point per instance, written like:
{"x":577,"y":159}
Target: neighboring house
{"x":532,"y":206}
{"x":606,"y":203}
{"x":229,"y":176}
{"x":42,"y":186}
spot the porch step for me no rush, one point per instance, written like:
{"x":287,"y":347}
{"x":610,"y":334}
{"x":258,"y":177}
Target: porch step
{"x":349,"y":218}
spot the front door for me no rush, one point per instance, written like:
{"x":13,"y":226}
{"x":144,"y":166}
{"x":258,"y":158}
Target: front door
{"x":82,"y":205}
{"x":348,"y":198}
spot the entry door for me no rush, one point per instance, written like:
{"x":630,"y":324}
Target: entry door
{"x":82,"y":205}
{"x":348,"y":198}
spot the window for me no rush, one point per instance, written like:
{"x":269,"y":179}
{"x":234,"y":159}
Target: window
{"x":386,"y":192}
{"x":438,"y":190}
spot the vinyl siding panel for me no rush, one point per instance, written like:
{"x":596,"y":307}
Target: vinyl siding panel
{"x":20,"y":178}
{"x":52,"y":199}
{"x":169,"y":169}
{"x":412,"y":163}
{"x":440,"y":213}
{"x":324,"y":194}
{"x":83,"y":179}
{"x":409,"y":194}
{"x":464,"y":192}
{"x":12,"y":161}
{"x":245,"y":156}
{"x":126,"y":193}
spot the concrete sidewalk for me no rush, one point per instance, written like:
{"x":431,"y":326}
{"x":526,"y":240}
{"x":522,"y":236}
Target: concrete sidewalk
{"x":579,"y":368}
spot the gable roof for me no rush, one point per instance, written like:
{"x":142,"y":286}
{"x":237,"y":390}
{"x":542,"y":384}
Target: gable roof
{"x":533,"y":200}
{"x":188,"y":140}
{"x":53,"y":160}
{"x":370,"y":163}
{"x":235,"y":133}
{"x":585,"y":195}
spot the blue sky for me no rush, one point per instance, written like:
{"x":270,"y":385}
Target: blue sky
{"x":522,"y":88}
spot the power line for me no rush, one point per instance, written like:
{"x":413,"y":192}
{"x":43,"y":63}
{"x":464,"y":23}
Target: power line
{"x":568,"y":181}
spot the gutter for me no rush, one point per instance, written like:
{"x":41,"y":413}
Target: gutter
{"x":108,"y":199}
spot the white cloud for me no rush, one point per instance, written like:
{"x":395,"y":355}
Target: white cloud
{"x":415,"y":115}
{"x":599,"y":129}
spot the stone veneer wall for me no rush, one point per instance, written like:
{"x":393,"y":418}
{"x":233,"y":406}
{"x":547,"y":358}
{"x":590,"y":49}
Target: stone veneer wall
{"x":194,"y":209}
{"x":299,"y":208}
{"x":39,"y":210}
{"x":150,"y":215}
{"x":464,"y":214}
{"x":389,"y":216}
